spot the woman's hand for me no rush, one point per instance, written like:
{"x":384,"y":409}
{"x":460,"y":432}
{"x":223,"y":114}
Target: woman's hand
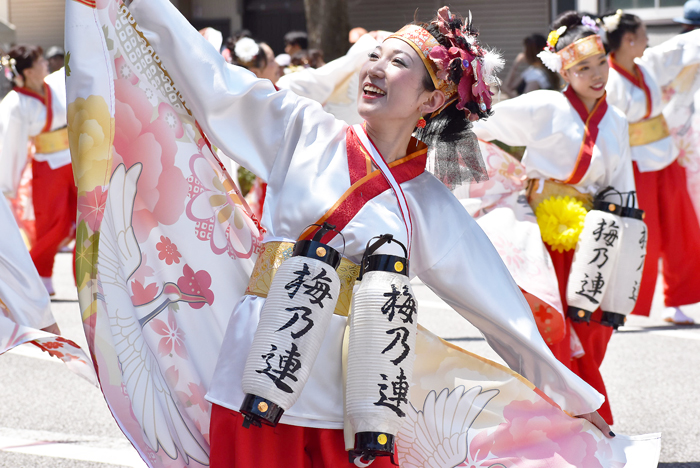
{"x":53,"y":328}
{"x":598,"y":421}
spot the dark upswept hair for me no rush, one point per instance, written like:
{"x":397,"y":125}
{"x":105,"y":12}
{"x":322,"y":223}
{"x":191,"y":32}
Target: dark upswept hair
{"x":628,"y":23}
{"x":575,"y":30}
{"x":25,"y":56}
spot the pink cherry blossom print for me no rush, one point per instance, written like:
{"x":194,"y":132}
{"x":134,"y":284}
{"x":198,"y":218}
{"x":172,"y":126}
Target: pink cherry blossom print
{"x":92,"y":207}
{"x":173,"y":337}
{"x":196,"y":284}
{"x":167,"y":251}
{"x":161,"y":188}
{"x":143,"y":294}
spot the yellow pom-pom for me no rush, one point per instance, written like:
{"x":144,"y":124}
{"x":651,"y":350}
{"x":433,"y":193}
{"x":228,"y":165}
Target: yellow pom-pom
{"x":561,"y":221}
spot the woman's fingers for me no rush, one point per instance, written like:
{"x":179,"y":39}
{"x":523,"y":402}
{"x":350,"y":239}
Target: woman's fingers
{"x":598,"y":421}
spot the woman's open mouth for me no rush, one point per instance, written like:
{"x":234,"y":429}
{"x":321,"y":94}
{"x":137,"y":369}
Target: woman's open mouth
{"x":370,"y":91}
{"x":598,"y":87}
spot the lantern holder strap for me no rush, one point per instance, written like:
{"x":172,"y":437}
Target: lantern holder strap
{"x":370,"y":249}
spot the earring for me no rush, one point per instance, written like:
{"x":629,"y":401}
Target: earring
{"x":631,"y":43}
{"x":421,"y":123}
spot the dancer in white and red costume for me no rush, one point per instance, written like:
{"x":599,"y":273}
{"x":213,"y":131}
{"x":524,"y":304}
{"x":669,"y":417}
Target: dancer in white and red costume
{"x":315,"y":164}
{"x":576,"y":146}
{"x":636,"y":78}
{"x":35,"y":111}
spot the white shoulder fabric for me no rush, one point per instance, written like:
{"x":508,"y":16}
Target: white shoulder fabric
{"x":378,"y":161}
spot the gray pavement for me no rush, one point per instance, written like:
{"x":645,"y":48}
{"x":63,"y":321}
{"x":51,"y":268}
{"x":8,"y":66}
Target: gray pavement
{"x":50,"y":417}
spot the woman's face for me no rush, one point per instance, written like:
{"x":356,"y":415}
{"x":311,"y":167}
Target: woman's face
{"x":588,"y":77}
{"x":391,"y":85}
{"x":37,"y":72}
{"x":272,"y":70}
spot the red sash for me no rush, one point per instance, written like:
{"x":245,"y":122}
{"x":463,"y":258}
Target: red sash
{"x":591,"y":121}
{"x":637,"y":79}
{"x":367,"y":183}
{"x":46,"y":100}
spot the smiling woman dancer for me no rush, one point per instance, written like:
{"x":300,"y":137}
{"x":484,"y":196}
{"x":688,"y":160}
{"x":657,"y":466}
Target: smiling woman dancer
{"x":576,"y":146}
{"x":313,"y":165}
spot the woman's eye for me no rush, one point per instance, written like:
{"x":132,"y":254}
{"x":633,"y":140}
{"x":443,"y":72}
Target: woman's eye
{"x":373,"y":56}
{"x":400,"y":62}
{"x":583,"y":69}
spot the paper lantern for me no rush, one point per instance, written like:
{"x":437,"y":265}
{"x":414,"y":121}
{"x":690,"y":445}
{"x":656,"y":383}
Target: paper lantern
{"x":293,"y":324}
{"x":381,"y":352}
{"x":594,"y":260}
{"x":623,"y":289}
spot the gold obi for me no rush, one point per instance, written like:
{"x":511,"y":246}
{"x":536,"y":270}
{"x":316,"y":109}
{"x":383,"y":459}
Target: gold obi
{"x":51,"y":142}
{"x":272,"y":256}
{"x":553,"y":188}
{"x":648,"y":131}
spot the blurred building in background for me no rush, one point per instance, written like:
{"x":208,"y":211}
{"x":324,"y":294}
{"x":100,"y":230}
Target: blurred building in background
{"x":504,"y":23}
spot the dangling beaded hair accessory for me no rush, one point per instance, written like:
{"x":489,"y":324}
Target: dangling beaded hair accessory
{"x":573,"y":53}
{"x":8,"y":63}
{"x":463,"y":71}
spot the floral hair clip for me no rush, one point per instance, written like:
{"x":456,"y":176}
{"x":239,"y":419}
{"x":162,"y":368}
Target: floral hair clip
{"x":590,"y":23}
{"x":464,"y":70}
{"x":612,"y":22}
{"x":246,"y":49}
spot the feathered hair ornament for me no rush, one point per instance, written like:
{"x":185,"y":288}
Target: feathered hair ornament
{"x":549,"y":56}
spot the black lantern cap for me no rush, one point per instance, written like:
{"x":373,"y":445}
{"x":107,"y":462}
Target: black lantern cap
{"x":257,"y":410}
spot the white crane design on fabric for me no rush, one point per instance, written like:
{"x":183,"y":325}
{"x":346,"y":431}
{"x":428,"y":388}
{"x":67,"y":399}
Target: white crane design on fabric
{"x":120,"y":256}
{"x":436,"y":436}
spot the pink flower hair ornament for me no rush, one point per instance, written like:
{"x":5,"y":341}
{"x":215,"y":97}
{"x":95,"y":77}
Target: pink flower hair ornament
{"x":464,"y":70}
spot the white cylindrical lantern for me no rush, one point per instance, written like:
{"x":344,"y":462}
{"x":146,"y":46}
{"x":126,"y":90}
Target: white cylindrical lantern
{"x":293,"y":324}
{"x":381,"y":352}
{"x":621,"y":296}
{"x":594,"y":260}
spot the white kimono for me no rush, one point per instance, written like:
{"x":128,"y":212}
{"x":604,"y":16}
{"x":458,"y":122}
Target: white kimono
{"x":300,"y":151}
{"x":23,"y":117}
{"x":659,"y":65}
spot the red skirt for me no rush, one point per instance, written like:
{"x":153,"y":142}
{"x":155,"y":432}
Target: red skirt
{"x":594,"y":337}
{"x":55,"y":209}
{"x":674,"y":237}
{"x":283,"y":446}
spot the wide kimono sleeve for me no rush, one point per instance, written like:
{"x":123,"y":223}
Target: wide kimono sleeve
{"x":520,"y":121}
{"x":14,"y":139}
{"x":458,"y":262}
{"x":245,"y":117}
{"x":320,"y":83}
{"x":665,"y":61}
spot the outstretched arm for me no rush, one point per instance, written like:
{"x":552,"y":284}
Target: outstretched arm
{"x":665,"y":61}
{"x":243,"y":116}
